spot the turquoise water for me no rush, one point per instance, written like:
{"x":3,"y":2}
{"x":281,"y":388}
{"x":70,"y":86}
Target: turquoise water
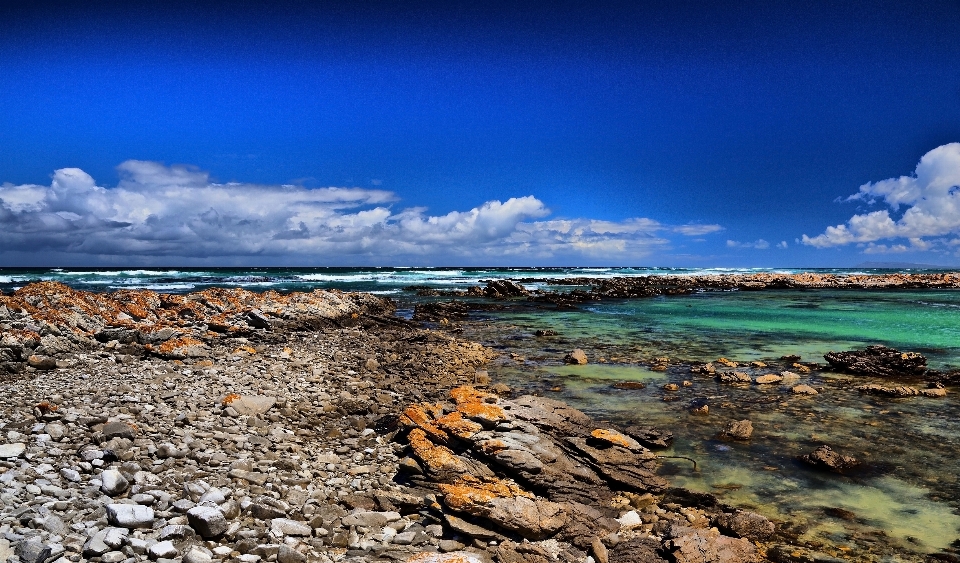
{"x":902,"y":503}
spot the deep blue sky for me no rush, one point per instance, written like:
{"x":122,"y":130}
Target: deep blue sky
{"x":755,"y":116}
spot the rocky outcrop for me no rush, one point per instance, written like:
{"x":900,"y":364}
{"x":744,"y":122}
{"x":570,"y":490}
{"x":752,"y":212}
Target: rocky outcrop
{"x":878,"y":361}
{"x":43,"y":321}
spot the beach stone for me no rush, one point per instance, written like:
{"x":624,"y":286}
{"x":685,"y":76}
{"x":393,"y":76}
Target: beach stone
{"x":449,"y":557}
{"x":41,"y":362}
{"x":130,"y":515}
{"x":287,"y":554}
{"x":6,"y":551}
{"x":709,"y":546}
{"x":113,"y":483}
{"x":163,"y":550}
{"x":114,"y":538}
{"x":8,"y":451}
{"x":197,"y":554}
{"x":370,"y":519}
{"x":96,"y":546}
{"x":113,"y":557}
{"x":576,"y":357}
{"x":208,"y":521}
{"x":735,"y":377}
{"x":285,"y":527}
{"x":738,"y":430}
{"x":33,"y":550}
{"x":878,"y":361}
{"x":630,"y":520}
{"x":113,"y":430}
{"x":250,"y":405}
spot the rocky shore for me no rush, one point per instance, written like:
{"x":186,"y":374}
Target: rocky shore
{"x":231,"y":426}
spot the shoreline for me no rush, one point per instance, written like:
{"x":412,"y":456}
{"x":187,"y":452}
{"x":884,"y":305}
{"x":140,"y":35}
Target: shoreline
{"x":349,"y":386}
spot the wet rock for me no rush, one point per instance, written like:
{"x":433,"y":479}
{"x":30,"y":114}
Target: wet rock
{"x":803,"y":390}
{"x":738,"y":430}
{"x":735,"y":377}
{"x":650,"y":437}
{"x":576,"y":357}
{"x":499,"y":289}
{"x":767,"y":379}
{"x":878,"y":361}
{"x":744,"y":524}
{"x":825,"y":458}
{"x":900,"y":391}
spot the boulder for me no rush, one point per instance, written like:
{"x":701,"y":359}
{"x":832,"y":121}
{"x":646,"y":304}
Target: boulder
{"x":745,"y":524}
{"x":130,"y":515}
{"x":8,"y":451}
{"x":249,"y":405}
{"x":576,"y":357}
{"x":738,"y":430}
{"x":208,"y":521}
{"x":41,"y":362}
{"x":709,"y":546}
{"x":825,"y":458}
{"x":878,"y":361}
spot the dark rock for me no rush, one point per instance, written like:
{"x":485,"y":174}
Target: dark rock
{"x":117,"y":430}
{"x":825,"y":458}
{"x":639,"y":550}
{"x":738,"y":430}
{"x":41,"y":362}
{"x":650,"y":437}
{"x":744,"y":524}
{"x":499,"y":289}
{"x":878,"y":361}
{"x":576,"y":357}
{"x":545,"y":332}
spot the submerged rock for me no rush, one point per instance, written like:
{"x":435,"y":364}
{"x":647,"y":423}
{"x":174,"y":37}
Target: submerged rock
{"x":825,"y":458}
{"x":878,"y":361}
{"x":577,"y":357}
{"x":738,"y":430}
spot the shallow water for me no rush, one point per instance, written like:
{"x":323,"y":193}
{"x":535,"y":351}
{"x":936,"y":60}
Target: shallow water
{"x":901,"y":504}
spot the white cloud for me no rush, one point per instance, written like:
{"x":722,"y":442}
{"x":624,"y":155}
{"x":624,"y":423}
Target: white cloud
{"x":931,"y":197}
{"x":758,"y":244}
{"x":783,"y":245}
{"x":160,"y":211}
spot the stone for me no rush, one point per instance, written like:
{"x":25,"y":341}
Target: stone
{"x":6,"y":551}
{"x":130,"y":515}
{"x":768,"y":379}
{"x":878,"y":361}
{"x":286,"y":527}
{"x":8,"y":451}
{"x":449,"y":557}
{"x":370,"y":519}
{"x":249,"y":405}
{"x":630,"y":520}
{"x":745,"y":524}
{"x":113,"y":557}
{"x":708,"y":546}
{"x":113,"y":483}
{"x":33,"y":550}
{"x":208,"y":521}
{"x":738,"y":430}
{"x":96,"y":546}
{"x":825,"y":458}
{"x":804,"y":390}
{"x":41,"y":362}
{"x":113,"y":430}
{"x":163,"y":549}
{"x":115,"y":537}
{"x":287,"y":554}
{"x":196,"y":554}
{"x":576,"y":357}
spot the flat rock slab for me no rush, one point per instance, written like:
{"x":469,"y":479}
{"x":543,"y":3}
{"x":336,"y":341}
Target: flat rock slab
{"x":8,"y":451}
{"x":130,"y":515}
{"x":250,"y":405}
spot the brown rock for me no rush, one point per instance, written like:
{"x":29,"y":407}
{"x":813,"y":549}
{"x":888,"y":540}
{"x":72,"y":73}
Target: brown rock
{"x":738,"y":430}
{"x":577,"y":357}
{"x":825,"y":458}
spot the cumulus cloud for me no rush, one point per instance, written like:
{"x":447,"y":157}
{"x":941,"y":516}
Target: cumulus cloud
{"x":930,"y":199}
{"x":758,"y":244}
{"x":177,"y":211}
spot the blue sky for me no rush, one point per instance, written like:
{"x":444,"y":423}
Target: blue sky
{"x":640,"y":133}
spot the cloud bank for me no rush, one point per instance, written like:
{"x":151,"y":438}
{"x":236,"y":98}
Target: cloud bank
{"x":931,"y":216}
{"x":159,"y":211}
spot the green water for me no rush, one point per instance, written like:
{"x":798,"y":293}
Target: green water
{"x":903,"y":502}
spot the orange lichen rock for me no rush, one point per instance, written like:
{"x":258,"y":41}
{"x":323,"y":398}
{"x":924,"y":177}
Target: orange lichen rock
{"x":422,"y":416}
{"x":437,"y":458}
{"x":175,"y":344}
{"x":615,"y":438}
{"x":491,"y":447}
{"x":468,"y":491}
{"x":47,"y":407}
{"x":245,"y":348}
{"x":231,"y":397}
{"x":455,"y":424}
{"x":477,"y":405}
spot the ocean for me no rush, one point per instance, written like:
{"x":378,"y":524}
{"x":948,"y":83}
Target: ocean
{"x":904,"y":501}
